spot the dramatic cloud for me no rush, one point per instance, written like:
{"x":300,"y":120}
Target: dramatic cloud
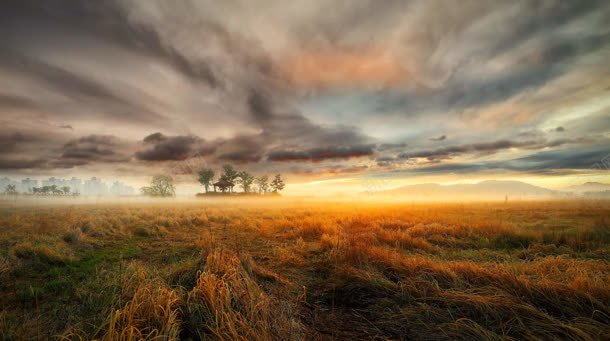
{"x":319,"y":154}
{"x":92,"y":148}
{"x":310,"y":88}
{"x":486,"y":148}
{"x":172,"y":148}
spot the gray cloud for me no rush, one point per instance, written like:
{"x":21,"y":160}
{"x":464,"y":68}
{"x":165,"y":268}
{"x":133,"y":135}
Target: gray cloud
{"x":167,"y":148}
{"x":320,"y":154}
{"x":487,"y":148}
{"x":92,"y":148}
{"x":9,"y":142}
{"x":16,"y":102}
{"x":440,"y":138}
{"x":307,"y":83}
{"x":108,"y":21}
{"x":544,"y":162}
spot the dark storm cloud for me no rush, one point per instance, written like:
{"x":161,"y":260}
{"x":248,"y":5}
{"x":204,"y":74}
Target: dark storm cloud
{"x":10,"y":141}
{"x":28,"y":149}
{"x":242,"y":148}
{"x":92,"y":148}
{"x":13,"y":163}
{"x":167,"y":148}
{"x":321,"y":153}
{"x":155,"y":138}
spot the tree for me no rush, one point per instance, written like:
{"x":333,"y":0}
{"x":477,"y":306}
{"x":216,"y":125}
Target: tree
{"x":245,"y":179}
{"x":205,"y":178}
{"x":66,"y":190}
{"x":10,"y":189}
{"x":230,"y":174}
{"x":160,"y":186}
{"x":277,"y":184}
{"x":263,"y":183}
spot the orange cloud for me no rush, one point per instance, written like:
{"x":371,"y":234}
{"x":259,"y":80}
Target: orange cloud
{"x":342,"y":68}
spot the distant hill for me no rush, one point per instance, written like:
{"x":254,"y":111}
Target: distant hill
{"x":489,"y":188}
{"x":588,"y":187}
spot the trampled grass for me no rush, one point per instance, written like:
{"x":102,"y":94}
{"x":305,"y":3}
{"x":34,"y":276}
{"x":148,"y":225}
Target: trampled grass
{"x":279,"y":270}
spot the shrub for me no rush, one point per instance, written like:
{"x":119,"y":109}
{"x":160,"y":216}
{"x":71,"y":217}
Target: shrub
{"x":42,"y":253}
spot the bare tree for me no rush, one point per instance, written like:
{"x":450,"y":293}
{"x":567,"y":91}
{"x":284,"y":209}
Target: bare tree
{"x":10,"y":189}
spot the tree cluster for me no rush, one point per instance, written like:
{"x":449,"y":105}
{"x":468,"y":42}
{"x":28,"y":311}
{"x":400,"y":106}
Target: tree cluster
{"x":248,"y":182}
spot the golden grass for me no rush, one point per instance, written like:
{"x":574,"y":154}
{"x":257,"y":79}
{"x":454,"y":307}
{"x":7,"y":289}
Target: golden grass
{"x":281,"y":271}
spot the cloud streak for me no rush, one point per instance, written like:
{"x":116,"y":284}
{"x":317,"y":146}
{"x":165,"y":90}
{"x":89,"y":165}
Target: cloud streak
{"x":310,"y":87}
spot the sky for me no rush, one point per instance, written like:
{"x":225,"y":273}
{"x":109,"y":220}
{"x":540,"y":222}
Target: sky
{"x":338,"y":96}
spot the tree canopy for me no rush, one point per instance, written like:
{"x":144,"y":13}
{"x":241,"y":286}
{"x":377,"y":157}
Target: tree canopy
{"x":229,"y":174}
{"x":160,"y":186}
{"x":206,"y":176}
{"x":277,"y":184}
{"x":245,"y":179}
{"x":263,"y":183}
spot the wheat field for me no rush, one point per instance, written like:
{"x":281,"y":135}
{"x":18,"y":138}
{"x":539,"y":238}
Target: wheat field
{"x":281,"y":270}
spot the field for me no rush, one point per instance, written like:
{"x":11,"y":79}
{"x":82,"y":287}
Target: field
{"x":281,"y":270}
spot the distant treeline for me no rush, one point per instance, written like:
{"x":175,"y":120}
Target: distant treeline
{"x":52,"y":190}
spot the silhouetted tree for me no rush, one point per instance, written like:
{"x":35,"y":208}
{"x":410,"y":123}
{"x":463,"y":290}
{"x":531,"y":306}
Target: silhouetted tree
{"x":230,"y":174}
{"x":246,"y":180}
{"x":277,"y":184}
{"x":263,"y":183}
{"x":66,"y":190}
{"x":205,"y":178}
{"x":54,"y":189}
{"x":10,"y":189}
{"x":160,"y":186}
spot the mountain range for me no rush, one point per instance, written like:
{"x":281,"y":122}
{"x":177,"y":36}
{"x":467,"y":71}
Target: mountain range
{"x":492,"y":189}
{"x":588,"y":187}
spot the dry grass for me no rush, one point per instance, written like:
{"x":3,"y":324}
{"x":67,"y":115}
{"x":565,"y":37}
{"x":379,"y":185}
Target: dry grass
{"x":280,"y":271}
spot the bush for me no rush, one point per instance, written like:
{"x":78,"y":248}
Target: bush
{"x":42,"y":253}
{"x":72,"y":237}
